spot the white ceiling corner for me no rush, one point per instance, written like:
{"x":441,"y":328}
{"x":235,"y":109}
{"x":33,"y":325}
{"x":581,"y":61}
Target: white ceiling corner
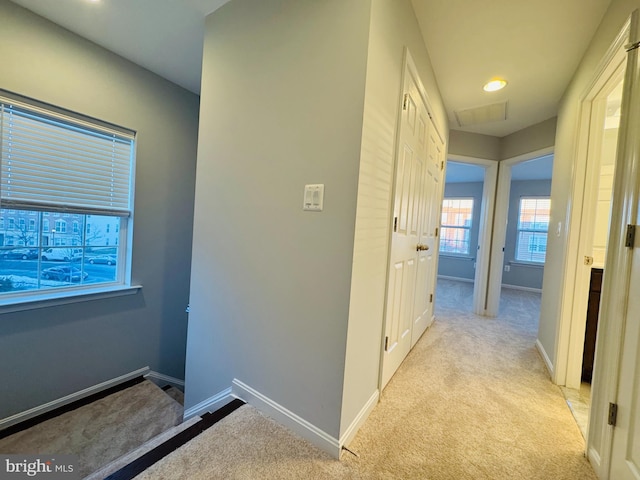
{"x":536,"y":46}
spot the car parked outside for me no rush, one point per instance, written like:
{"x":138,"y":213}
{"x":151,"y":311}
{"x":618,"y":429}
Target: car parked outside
{"x":21,"y":254}
{"x":104,"y":259}
{"x":64,"y":274}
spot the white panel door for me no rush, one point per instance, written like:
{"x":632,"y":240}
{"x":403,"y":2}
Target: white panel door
{"x":430,"y":220}
{"x":407,"y":213}
{"x":625,"y":454}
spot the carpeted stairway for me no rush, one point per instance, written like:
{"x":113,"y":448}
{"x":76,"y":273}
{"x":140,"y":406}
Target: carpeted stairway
{"x":102,"y":431}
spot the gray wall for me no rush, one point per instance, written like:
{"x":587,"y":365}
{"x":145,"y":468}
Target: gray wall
{"x":474,"y":145}
{"x":281,"y":106}
{"x":457,"y":266}
{"x":529,"y":276}
{"x":49,"y":353}
{"x":530,"y":139}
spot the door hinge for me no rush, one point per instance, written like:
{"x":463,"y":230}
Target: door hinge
{"x":431,"y":298}
{"x":405,"y":102}
{"x":588,"y":260}
{"x":613,"y":414}
{"x":630,"y":238}
{"x":437,"y":232}
{"x":395,"y":224}
{"x":386,"y":344}
{"x":442,"y":165}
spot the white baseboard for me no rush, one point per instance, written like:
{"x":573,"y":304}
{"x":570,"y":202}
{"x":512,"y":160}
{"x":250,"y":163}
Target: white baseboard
{"x":524,"y":289}
{"x":161,"y":380}
{"x":60,"y":402}
{"x":545,"y":358}
{"x":297,"y":424}
{"x":351,"y":431}
{"x":211,"y":404}
{"x":457,"y":279}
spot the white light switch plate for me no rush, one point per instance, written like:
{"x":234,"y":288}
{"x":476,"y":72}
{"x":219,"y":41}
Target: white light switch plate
{"x":313,"y":198}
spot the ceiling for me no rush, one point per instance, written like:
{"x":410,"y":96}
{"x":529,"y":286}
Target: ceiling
{"x":535,"y":45}
{"x":539,"y":168}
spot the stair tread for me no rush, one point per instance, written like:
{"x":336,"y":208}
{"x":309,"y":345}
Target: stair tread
{"x":145,"y":461}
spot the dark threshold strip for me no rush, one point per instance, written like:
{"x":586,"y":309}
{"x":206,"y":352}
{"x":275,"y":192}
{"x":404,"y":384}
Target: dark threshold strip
{"x":19,"y":427}
{"x":145,"y":461}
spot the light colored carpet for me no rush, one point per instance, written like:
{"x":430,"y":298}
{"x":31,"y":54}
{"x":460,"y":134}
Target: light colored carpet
{"x":103,"y":430}
{"x":471,"y":401}
{"x":247,"y":445}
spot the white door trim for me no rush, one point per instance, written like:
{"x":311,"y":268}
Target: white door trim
{"x":568,"y":337}
{"x":483,"y":255}
{"x":615,"y":287}
{"x":500,"y":226}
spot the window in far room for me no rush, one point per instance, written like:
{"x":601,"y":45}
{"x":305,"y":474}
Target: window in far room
{"x":533,"y":225}
{"x":455,"y":233}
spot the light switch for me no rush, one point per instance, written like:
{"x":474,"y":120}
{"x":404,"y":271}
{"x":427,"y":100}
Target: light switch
{"x":313,"y":197}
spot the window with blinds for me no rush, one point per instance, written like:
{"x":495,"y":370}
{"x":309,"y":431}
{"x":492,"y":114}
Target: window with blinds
{"x":533,"y":225}
{"x":66,"y":196}
{"x":455,"y":231}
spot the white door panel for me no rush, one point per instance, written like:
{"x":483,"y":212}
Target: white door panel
{"x":411,"y":273}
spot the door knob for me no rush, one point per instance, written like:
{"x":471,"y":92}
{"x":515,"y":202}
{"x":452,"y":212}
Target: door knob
{"x":421,"y":247}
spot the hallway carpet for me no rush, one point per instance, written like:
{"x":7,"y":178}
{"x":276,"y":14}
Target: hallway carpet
{"x":471,"y":401}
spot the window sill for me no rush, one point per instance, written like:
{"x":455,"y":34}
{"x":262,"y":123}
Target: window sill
{"x":457,"y":257}
{"x":519,"y":263}
{"x":51,"y":299}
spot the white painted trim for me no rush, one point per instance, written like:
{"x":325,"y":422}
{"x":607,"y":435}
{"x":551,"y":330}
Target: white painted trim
{"x":457,"y":279}
{"x":615,"y":286}
{"x":210,"y":404}
{"x":32,"y":301}
{"x":519,"y":287}
{"x":351,"y":431}
{"x":566,"y":342}
{"x":594,"y":459}
{"x":282,"y":415}
{"x":485,"y":232}
{"x":545,"y":358}
{"x":60,"y":402}
{"x":498,"y":240}
{"x":160,"y":378}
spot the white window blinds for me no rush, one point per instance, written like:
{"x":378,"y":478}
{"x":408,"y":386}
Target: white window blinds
{"x":54,"y":162}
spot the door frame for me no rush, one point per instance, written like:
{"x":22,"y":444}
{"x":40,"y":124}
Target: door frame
{"x":615,"y":288}
{"x":483,"y":255}
{"x":498,"y":240}
{"x":570,"y":335}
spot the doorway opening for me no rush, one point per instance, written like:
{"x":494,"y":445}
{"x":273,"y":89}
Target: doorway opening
{"x":465,"y":237}
{"x":592,"y":244}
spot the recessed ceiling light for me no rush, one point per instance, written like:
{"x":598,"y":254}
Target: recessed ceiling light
{"x":494,"y":85}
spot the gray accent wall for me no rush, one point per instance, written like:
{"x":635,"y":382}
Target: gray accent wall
{"x":287,"y":301}
{"x":521,"y":275}
{"x":52,"y":352}
{"x":530,"y":139}
{"x":459,"y":266}
{"x":474,"y":145}
{"x":281,"y":106}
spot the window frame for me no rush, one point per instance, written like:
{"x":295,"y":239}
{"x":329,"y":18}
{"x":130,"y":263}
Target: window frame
{"x":444,"y":227}
{"x":520,"y":230}
{"x":121,"y":285}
